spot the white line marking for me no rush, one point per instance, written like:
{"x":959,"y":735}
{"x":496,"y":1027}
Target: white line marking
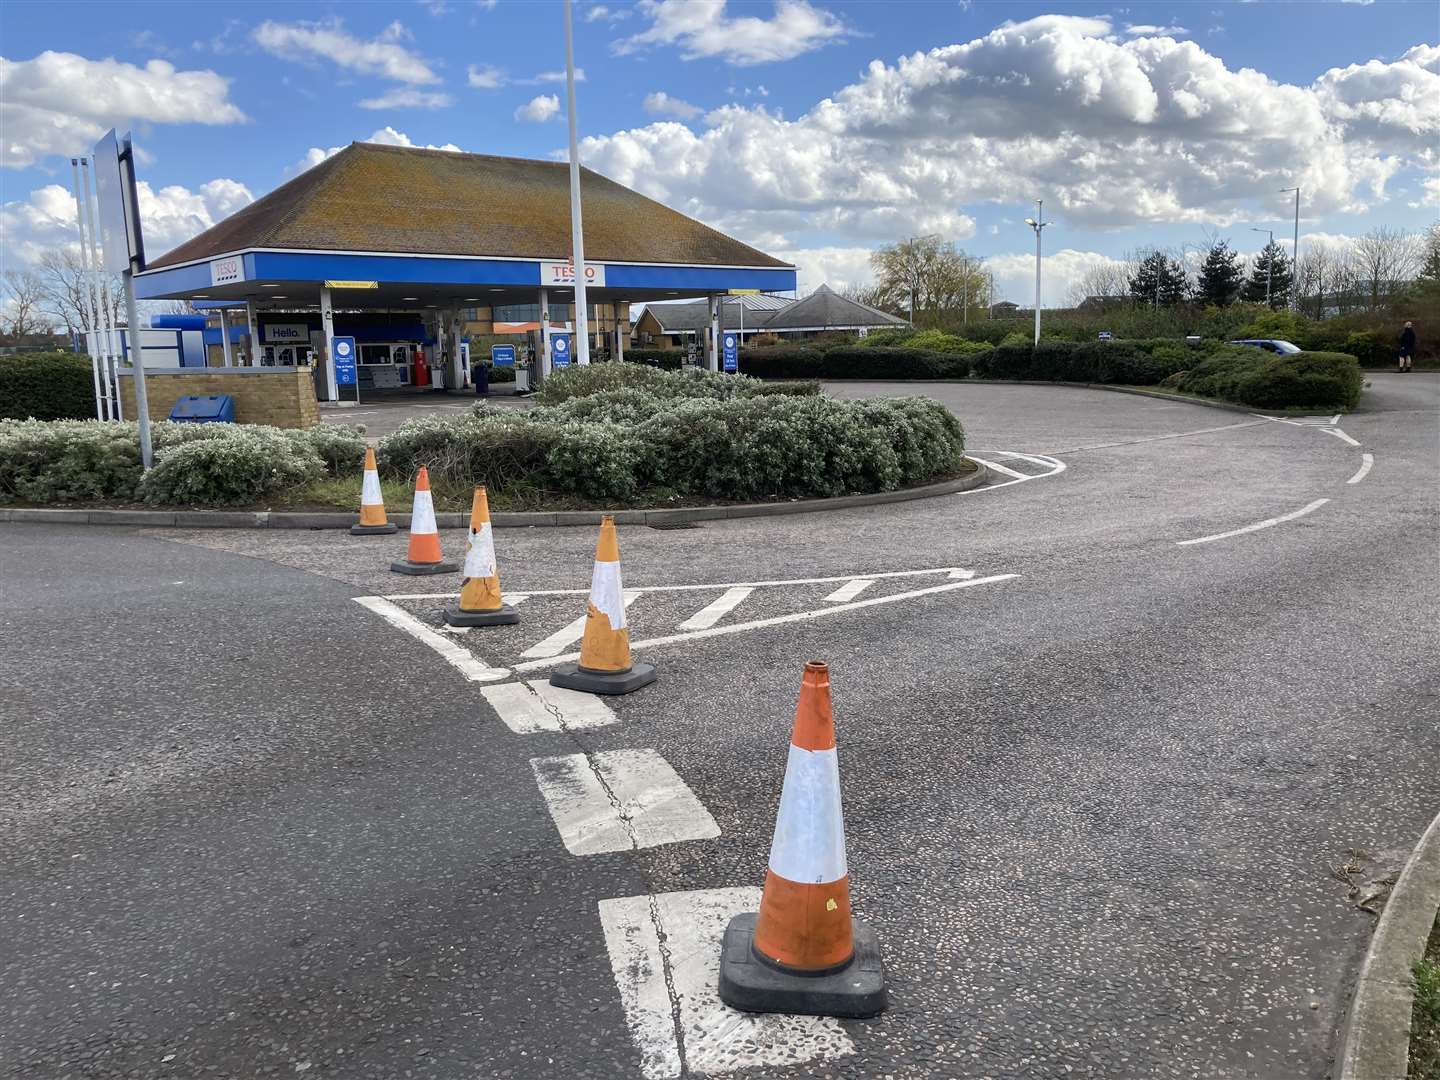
{"x":1340,"y":435}
{"x":568,"y":634}
{"x":620,"y":800}
{"x":1002,"y":468}
{"x":779,"y":620}
{"x":1366,"y":460}
{"x":717,"y":609}
{"x":717,"y":585}
{"x":848,"y":591}
{"x":463,"y":660}
{"x":1258,"y":525}
{"x":522,"y":707}
{"x":718,"y":1039}
{"x":1162,"y":438}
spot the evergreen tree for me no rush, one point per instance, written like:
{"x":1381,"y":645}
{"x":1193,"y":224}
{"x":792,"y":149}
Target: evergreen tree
{"x":1430,"y":267}
{"x":1221,"y":276}
{"x":1271,"y":264}
{"x":1158,"y":270}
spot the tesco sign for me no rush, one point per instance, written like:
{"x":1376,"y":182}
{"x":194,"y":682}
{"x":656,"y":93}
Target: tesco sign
{"x":564,"y":274}
{"x":224,"y":271}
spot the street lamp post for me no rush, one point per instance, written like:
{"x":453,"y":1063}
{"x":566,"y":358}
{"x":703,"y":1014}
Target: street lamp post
{"x":1295,"y":252}
{"x":577,"y":230}
{"x":1037,"y":223}
{"x":1269,"y":260}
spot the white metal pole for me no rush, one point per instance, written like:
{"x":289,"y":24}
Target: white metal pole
{"x":137,"y":364}
{"x":1295,"y":257}
{"x":105,"y":313}
{"x":327,"y":327}
{"x":1039,"y":224}
{"x":83,"y":297}
{"x":256,"y":351}
{"x":577,"y":231}
{"x":544,"y":335}
{"x":622,"y":331}
{"x":224,"y":338}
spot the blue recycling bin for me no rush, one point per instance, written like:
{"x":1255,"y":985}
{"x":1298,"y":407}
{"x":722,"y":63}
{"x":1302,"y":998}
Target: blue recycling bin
{"x":204,"y":409}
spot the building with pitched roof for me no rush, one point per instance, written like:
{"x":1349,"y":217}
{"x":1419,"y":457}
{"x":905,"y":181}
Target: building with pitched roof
{"x":379,"y":240}
{"x":825,"y":311}
{"x":676,"y":324}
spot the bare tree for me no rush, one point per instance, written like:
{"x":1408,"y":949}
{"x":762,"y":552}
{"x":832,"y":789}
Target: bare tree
{"x":67,"y":291}
{"x":1386,"y":258}
{"x":1107,"y":279}
{"x":23,"y":295}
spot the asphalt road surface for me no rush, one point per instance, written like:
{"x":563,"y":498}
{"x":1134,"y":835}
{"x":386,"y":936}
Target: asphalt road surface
{"x":1105,"y":791}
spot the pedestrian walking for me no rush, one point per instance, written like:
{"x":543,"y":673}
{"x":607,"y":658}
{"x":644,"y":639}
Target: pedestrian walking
{"x":1407,"y":345}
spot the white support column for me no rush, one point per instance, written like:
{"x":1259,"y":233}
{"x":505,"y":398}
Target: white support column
{"x":439,"y":358}
{"x":327,"y":326}
{"x":224,"y":339}
{"x":622,"y":331}
{"x":457,"y":365}
{"x":544,"y":334}
{"x":256,"y":352}
{"x":712,"y":337}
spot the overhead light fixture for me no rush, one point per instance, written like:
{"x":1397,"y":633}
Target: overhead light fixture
{"x":277,"y":296}
{"x":497,"y":290}
{"x":276,"y":286}
{"x":409,"y":298}
{"x":201,"y":296}
{"x":471,"y":299}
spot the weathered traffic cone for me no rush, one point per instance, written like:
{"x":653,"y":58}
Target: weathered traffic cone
{"x":605,"y":666}
{"x":424,"y":556}
{"x":802,"y":953}
{"x":480,"y":603}
{"x":372,"y":506}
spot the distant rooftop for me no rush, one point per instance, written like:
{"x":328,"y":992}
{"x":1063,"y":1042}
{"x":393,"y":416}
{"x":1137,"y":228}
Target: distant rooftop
{"x":825,"y":309}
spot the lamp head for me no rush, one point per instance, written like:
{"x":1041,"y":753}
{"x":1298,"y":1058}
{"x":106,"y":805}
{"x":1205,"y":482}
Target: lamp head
{"x":1030,"y":222}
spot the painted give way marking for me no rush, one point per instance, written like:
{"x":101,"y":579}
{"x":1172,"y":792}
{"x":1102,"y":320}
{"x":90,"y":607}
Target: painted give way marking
{"x":1266,"y":524}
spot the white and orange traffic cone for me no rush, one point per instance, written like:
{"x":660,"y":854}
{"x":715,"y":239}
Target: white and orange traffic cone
{"x":802,"y":953}
{"x":373,"y":521}
{"x":424,"y":556}
{"x":480,"y":602}
{"x":605,"y":666}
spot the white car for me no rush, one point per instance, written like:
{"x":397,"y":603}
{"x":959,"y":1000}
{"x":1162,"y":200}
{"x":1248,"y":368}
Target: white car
{"x":1275,"y":345}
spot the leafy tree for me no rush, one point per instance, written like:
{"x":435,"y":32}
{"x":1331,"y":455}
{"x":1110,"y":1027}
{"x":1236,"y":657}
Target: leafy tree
{"x":1160,"y":281}
{"x":1271,"y":277}
{"x":937,"y":274}
{"x":1430,"y":266}
{"x":1221,"y":276}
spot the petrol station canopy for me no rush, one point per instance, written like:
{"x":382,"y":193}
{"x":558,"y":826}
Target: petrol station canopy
{"x":400,"y":227}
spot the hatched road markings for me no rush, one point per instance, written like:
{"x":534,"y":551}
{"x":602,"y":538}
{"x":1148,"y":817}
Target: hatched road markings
{"x":849,"y":590}
{"x":457,"y":656}
{"x":620,"y":800}
{"x":1049,"y":466}
{"x":568,"y":634}
{"x":665,"y":954}
{"x":528,"y":707}
{"x":717,"y":609}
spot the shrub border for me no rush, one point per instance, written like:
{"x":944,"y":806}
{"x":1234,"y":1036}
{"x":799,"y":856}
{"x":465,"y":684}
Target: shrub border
{"x":267,"y":519}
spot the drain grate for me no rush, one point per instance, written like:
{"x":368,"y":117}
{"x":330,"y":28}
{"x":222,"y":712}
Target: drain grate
{"x":664,"y":526}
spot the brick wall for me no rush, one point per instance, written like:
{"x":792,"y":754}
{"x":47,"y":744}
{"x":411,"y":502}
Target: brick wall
{"x":281,"y":397}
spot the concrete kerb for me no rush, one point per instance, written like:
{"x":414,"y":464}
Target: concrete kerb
{"x":274,"y":519}
{"x":1377,"y":1034}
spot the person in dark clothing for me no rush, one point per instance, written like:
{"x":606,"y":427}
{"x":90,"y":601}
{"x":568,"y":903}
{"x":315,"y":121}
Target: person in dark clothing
{"x":1407,"y":345}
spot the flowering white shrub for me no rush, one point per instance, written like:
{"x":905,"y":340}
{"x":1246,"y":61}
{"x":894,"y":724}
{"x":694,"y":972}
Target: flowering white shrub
{"x":242,"y":467}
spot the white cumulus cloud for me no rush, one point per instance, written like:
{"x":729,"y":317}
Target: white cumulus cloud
{"x":61,"y":103}
{"x":408,"y":98}
{"x":662,"y":104}
{"x":386,"y":136}
{"x":538,"y":109}
{"x":485,"y":77}
{"x":383,"y":55}
{"x":704,"y":28}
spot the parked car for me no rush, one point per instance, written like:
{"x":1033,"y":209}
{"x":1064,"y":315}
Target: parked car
{"x":1275,"y":345}
{"x":1105,"y":335}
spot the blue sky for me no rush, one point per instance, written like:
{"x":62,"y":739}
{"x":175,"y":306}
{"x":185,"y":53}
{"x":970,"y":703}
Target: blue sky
{"x":1138,"y":123}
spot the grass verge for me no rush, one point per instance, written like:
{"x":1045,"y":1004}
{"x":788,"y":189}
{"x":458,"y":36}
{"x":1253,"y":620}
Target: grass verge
{"x":1425,"y":1016}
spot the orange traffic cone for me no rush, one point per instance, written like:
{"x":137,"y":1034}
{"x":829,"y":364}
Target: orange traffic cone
{"x":424,"y":556}
{"x":480,"y":603}
{"x":802,"y":953}
{"x":605,"y":666}
{"x":372,"y":507}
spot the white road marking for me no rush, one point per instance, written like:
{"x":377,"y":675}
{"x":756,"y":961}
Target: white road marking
{"x":1162,"y":438}
{"x":620,"y":800}
{"x":1258,"y":525}
{"x":522,"y":707}
{"x":717,"y":1039}
{"x":1002,"y":468}
{"x":462,"y":659}
{"x":570,"y":633}
{"x":779,"y":620}
{"x":513,"y":599}
{"x":1366,"y":461}
{"x":1340,"y":435}
{"x":848,"y":591}
{"x":951,"y":570}
{"x":717,"y":609}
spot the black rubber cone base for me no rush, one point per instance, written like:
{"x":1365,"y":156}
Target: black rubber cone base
{"x":421,"y":569}
{"x":374,"y":530}
{"x":574,"y":677}
{"x":749,"y":983}
{"x":504,"y":615}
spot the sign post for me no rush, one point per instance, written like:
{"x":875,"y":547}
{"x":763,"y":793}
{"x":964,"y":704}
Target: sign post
{"x":559,"y":350}
{"x":502,"y":355}
{"x":345,"y":373}
{"x":732,"y":357}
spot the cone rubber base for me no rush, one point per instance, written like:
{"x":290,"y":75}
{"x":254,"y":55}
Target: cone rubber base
{"x":504,"y":615}
{"x":374,"y":530}
{"x":421,"y":569}
{"x":753,"y":985}
{"x":574,"y":677}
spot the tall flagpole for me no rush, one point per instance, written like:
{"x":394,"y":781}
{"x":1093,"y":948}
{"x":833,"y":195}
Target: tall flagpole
{"x":577,"y":231}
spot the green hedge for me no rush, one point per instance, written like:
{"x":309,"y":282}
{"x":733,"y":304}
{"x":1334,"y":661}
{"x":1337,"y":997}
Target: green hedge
{"x":668,"y":359}
{"x":855,"y":361}
{"x":1314,"y":380}
{"x":46,"y":386}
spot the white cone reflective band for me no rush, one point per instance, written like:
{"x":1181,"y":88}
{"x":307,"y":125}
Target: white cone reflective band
{"x":607,"y":595}
{"x":480,"y":554}
{"x":422,"y":516}
{"x":370,"y":489}
{"x":809,"y":844}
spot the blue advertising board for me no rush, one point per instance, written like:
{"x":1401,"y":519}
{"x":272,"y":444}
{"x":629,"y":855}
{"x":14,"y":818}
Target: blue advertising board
{"x":344,"y":350}
{"x":560,"y":350}
{"x":502,"y":355}
{"x":729,"y":348}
